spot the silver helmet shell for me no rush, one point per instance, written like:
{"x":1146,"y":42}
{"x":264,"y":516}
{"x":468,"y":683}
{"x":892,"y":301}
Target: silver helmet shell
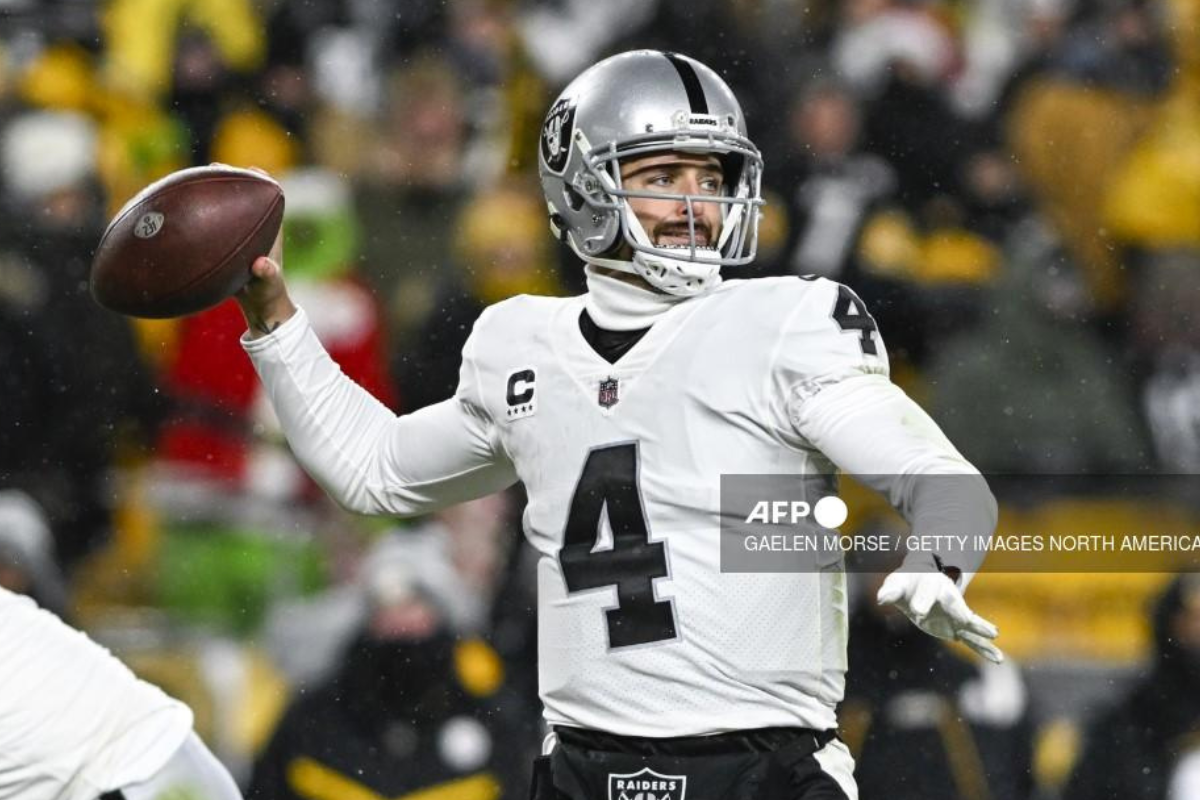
{"x":637,"y":104}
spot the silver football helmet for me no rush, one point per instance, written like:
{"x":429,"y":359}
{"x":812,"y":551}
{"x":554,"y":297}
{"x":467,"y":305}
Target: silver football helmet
{"x":637,"y":104}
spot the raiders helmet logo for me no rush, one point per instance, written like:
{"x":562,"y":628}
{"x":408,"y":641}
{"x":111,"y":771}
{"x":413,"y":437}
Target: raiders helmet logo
{"x":556,"y":135}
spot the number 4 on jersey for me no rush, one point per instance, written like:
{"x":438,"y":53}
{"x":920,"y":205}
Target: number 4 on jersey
{"x":850,"y":313}
{"x":609,"y":486}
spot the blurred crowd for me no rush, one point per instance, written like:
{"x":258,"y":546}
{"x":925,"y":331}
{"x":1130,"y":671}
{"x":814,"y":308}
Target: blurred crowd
{"x":1013,"y":187}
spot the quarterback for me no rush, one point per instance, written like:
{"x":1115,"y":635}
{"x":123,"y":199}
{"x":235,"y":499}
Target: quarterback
{"x":619,"y":411}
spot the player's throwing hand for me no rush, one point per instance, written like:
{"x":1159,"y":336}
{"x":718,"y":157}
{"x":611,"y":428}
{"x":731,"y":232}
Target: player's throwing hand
{"x":264,"y":300}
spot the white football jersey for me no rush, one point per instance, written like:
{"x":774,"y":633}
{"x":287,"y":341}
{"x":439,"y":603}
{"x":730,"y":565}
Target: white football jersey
{"x":640,"y":633}
{"x":74,"y":721}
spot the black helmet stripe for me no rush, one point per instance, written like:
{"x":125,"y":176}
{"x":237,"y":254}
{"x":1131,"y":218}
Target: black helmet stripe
{"x":691,"y":83}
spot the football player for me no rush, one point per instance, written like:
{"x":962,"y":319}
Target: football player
{"x":76,"y":724}
{"x":619,"y":410}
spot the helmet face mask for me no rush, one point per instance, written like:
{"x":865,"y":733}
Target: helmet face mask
{"x":631,"y":106}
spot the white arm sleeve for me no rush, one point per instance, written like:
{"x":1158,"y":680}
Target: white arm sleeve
{"x":362,"y":454}
{"x":871,"y":429}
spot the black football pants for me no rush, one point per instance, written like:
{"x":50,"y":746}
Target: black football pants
{"x":762,"y":764}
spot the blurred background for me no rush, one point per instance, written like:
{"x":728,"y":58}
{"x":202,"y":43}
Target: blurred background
{"x":1013,"y":186}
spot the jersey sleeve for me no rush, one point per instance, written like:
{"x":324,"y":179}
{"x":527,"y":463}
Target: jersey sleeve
{"x":842,"y":403}
{"x":827,"y":337}
{"x":367,"y":458}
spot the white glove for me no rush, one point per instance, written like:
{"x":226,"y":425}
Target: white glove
{"x":936,"y":606}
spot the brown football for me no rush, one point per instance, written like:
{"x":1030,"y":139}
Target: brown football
{"x":186,"y":242}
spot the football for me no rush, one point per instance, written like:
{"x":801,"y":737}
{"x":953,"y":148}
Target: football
{"x":186,"y":242}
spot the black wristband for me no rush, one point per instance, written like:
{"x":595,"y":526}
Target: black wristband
{"x":953,"y":573}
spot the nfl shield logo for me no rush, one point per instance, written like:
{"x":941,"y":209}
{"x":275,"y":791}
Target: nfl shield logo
{"x":608,"y":393}
{"x":646,"y":785}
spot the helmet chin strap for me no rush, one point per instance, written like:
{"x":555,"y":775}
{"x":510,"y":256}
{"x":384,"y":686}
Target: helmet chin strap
{"x":681,"y":277}
{"x":671,"y":276}
{"x":675,"y":275}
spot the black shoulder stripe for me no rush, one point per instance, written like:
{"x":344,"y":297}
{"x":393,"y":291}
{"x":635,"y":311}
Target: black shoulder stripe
{"x":691,"y":83}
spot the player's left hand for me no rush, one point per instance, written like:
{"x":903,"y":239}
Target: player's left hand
{"x":936,"y":606}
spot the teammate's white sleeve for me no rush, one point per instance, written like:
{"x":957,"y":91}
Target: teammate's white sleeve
{"x":367,"y":458}
{"x":74,"y":721}
{"x":871,"y":429}
{"x":192,"y":773}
